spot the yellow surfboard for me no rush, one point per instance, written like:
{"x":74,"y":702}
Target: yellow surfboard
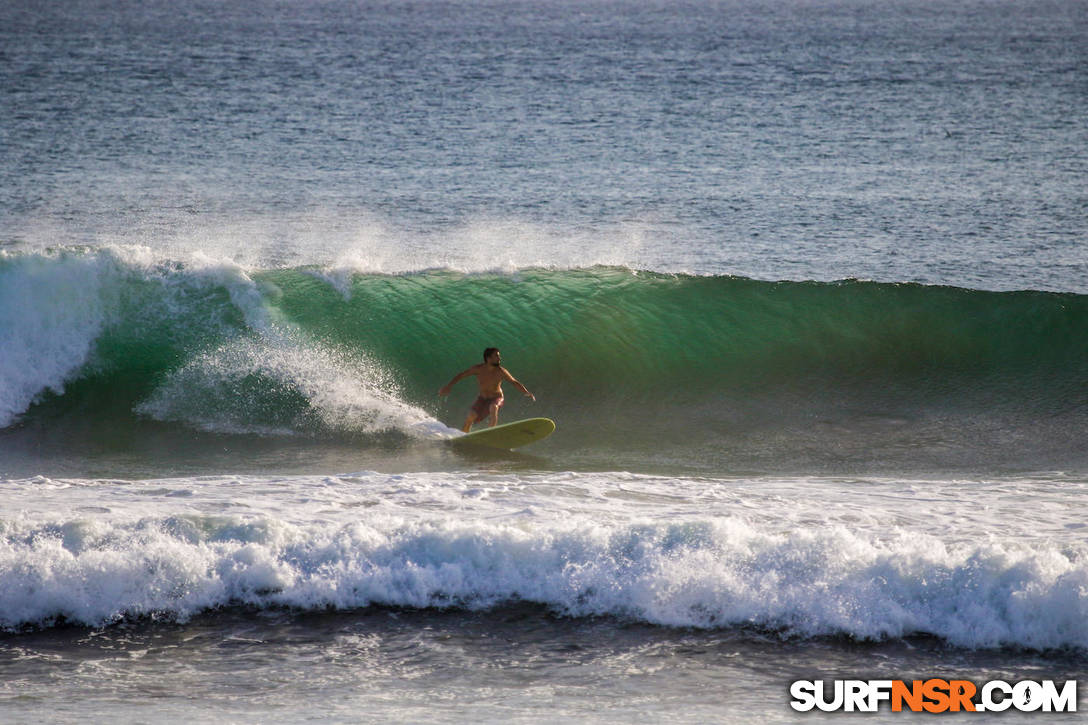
{"x":509,"y":435}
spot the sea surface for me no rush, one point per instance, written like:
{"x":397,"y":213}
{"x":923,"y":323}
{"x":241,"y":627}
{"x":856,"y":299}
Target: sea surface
{"x":803,"y":283}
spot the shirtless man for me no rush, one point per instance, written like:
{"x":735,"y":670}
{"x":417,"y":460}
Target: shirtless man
{"x":489,"y":374}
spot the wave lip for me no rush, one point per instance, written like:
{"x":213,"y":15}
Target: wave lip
{"x":707,"y":573}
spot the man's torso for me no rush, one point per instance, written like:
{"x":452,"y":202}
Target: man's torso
{"x":490,"y":380}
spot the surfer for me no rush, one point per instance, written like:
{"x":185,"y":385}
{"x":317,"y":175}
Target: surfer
{"x":489,"y":375}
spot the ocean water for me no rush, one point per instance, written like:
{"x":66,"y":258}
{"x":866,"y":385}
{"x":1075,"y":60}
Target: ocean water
{"x":803,"y":284}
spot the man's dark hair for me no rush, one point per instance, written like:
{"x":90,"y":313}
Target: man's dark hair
{"x":488,"y":351}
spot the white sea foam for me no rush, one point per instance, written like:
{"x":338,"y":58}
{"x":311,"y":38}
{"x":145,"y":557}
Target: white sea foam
{"x":688,"y":553}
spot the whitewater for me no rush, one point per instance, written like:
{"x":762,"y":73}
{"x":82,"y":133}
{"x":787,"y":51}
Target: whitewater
{"x":676,"y":552}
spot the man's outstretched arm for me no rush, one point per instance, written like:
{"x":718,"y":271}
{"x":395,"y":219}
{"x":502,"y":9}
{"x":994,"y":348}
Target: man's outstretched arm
{"x":445,"y":389}
{"x":510,"y":379}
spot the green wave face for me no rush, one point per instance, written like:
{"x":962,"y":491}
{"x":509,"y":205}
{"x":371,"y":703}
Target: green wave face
{"x":630,"y":362}
{"x":609,"y":334}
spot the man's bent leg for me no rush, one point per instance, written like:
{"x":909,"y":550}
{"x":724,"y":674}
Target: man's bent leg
{"x":493,"y":412}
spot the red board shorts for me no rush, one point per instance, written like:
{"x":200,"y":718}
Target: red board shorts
{"x":482,"y":406}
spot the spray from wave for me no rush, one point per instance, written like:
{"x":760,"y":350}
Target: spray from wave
{"x":274,"y":385}
{"x":197,"y":342}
